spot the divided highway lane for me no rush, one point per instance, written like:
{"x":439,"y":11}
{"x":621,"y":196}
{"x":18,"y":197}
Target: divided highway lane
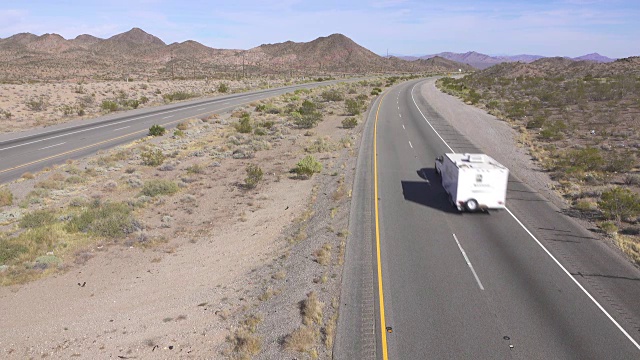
{"x":474,"y":286}
{"x":33,"y":150}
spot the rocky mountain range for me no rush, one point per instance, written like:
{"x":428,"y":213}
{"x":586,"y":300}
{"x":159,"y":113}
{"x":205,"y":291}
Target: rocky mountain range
{"x":483,"y":61}
{"x":138,"y":55}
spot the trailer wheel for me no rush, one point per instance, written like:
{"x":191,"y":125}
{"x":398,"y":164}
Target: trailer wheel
{"x":471,"y":205}
{"x":437,"y":172}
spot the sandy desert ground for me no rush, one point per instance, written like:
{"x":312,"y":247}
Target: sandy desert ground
{"x":207,"y":268}
{"x":28,"y":105}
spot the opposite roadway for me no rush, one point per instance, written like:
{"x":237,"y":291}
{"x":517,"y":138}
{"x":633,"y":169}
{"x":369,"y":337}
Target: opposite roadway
{"x":522,"y":283}
{"x":32,"y":150}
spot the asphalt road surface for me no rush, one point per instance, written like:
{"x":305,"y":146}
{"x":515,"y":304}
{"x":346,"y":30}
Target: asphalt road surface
{"x":31,"y":151}
{"x":521,"y":283}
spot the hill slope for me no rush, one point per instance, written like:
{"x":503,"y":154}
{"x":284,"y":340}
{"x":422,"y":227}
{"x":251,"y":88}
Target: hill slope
{"x":137,"y":54}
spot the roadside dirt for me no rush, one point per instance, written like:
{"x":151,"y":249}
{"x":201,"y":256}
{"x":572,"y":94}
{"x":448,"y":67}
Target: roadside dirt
{"x":228,"y":264}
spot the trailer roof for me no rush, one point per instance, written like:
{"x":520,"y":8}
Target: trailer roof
{"x":475,"y":161}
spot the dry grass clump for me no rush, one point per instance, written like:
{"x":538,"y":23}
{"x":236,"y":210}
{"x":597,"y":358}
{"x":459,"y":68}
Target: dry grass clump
{"x":631,"y":246}
{"x":244,"y":344}
{"x":302,"y":340}
{"x":280,"y":275}
{"x":6,"y":197}
{"x":157,"y":187}
{"x":251,"y":322}
{"x":329,"y":331}
{"x":340,"y":191}
{"x":323,"y":255}
{"x":341,"y":250}
{"x":320,"y":145}
{"x":311,"y":309}
{"x":268,"y":294}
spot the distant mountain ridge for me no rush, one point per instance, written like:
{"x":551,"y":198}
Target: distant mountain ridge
{"x":483,"y":61}
{"x":138,"y":54}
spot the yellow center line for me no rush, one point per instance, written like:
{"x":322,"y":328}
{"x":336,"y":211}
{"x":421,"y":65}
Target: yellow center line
{"x":383,"y":325}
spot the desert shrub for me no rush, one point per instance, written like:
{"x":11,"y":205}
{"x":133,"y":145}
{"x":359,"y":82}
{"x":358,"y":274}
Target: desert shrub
{"x":307,"y":121}
{"x":332,"y":95}
{"x":554,"y":130}
{"x":37,"y":218}
{"x":632,"y":179}
{"x":267,"y":108}
{"x":320,"y":145}
{"x":349,"y":123}
{"x":254,"y":176}
{"x":267,"y":124}
{"x":244,"y":124}
{"x":38,"y":103}
{"x":376,"y":91}
{"x":75,"y":179}
{"x":584,"y":205}
{"x":260,"y":131}
{"x":588,"y":159}
{"x":308,"y":166}
{"x":195,"y":169}
{"x":619,"y":162}
{"x":156,"y":130}
{"x":619,"y":204}
{"x":152,"y":158}
{"x":353,"y":107}
{"x":178,"y":133}
{"x":11,"y":249}
{"x":6,"y":197}
{"x":109,"y":106}
{"x":608,"y":227}
{"x":66,"y":110}
{"x":158,"y":187}
{"x":49,"y":184}
{"x":143,"y":100}
{"x":473,"y":97}
{"x":112,"y":220}
{"x":537,"y":122}
{"x":132,"y":104}
{"x":6,"y":114}
{"x":223,"y":88}
{"x":178,"y":95}
{"x":85,"y":101}
{"x":493,"y":104}
{"x":308,"y":107}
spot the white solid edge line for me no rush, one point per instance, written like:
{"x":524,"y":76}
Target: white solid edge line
{"x":633,"y":341}
{"x":574,"y":280}
{"x":466,"y":258}
{"x":425,"y":119}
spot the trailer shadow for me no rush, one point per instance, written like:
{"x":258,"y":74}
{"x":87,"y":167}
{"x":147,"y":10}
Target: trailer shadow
{"x":429,"y":192}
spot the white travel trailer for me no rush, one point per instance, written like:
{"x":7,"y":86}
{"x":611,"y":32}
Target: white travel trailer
{"x":474,"y":182}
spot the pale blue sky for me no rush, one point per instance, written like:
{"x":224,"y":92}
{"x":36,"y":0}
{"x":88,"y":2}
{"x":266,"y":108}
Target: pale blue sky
{"x":407,"y":27}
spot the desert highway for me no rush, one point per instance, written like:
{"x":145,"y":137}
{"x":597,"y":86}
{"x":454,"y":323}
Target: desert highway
{"x":33,"y":150}
{"x":422,"y":281}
